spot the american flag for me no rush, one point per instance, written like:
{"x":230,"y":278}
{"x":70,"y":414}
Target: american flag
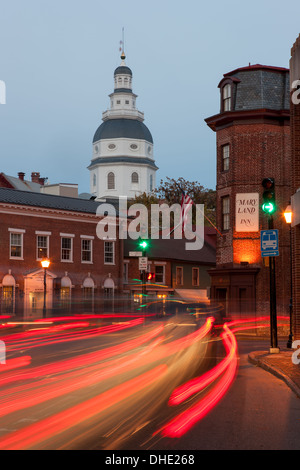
{"x":186,"y":205}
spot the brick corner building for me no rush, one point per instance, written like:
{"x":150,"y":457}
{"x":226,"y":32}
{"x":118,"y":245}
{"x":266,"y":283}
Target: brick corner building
{"x":85,"y":274}
{"x":253,"y":142}
{"x":295,"y":146}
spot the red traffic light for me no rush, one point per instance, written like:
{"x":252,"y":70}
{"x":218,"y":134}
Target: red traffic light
{"x":268,"y":183}
{"x":150,"y":276}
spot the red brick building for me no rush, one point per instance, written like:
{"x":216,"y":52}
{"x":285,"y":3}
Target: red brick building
{"x":252,"y":142}
{"x":295,"y":144}
{"x":85,"y":273}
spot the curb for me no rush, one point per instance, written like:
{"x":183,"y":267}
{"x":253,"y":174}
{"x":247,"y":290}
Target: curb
{"x":273,"y":370}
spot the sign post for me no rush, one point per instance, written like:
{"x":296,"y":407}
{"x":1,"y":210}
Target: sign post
{"x":270,"y":248}
{"x":143,"y":263}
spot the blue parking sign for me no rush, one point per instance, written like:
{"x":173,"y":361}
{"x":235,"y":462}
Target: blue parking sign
{"x":269,"y":242}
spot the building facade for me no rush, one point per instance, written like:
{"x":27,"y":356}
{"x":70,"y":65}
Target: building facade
{"x":252,"y":143}
{"x":122,"y":163}
{"x":85,"y":273}
{"x":175,"y":273}
{"x":295,"y":144}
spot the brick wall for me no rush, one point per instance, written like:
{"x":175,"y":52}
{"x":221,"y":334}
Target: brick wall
{"x":30,"y":220}
{"x":295,"y":144}
{"x":258,"y":149}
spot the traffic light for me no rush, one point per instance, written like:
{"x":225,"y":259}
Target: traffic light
{"x":143,"y":244}
{"x":269,"y":204}
{"x":151,"y":277}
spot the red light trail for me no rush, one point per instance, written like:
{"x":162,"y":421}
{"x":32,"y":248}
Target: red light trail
{"x":119,"y":372}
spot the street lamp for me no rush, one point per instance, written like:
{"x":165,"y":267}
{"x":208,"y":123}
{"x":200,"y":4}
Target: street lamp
{"x":288,"y":218}
{"x":45,"y":264}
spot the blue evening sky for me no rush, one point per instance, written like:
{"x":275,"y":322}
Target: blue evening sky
{"x":57,"y":60}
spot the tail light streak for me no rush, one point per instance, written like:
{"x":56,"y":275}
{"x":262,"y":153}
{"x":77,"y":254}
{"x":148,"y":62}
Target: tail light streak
{"x":37,"y":432}
{"x":87,"y":369}
{"x":185,"y":420}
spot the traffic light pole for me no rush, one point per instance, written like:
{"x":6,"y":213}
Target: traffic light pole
{"x":144,"y":276}
{"x":143,"y":245}
{"x":273,"y":313}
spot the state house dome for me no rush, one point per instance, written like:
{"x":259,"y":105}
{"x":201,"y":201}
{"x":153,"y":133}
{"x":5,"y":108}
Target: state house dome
{"x":124,"y":70}
{"x":123,"y":128}
{"x":122,"y":162}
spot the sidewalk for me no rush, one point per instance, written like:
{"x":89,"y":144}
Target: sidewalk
{"x":280,"y":365}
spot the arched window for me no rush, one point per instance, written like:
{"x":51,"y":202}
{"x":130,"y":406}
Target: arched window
{"x":111,"y":180}
{"x":88,"y":288}
{"x":94,"y":179}
{"x":65,"y":293}
{"x":8,"y":294}
{"x":134,"y":177}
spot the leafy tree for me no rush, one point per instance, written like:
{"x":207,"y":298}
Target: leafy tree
{"x":169,"y":192}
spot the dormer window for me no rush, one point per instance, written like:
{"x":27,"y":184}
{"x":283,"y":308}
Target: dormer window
{"x":226,"y":97}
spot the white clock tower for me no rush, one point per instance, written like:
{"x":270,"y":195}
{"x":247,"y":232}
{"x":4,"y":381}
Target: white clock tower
{"x":122,"y":162}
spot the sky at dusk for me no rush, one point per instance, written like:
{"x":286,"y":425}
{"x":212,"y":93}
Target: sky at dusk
{"x":57,"y":59}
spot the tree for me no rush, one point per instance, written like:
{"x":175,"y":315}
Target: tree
{"x":169,"y":192}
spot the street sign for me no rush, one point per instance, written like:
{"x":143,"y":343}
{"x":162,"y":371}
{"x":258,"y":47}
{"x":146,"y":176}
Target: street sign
{"x":269,"y":243}
{"x":135,"y":253}
{"x":143,"y":263}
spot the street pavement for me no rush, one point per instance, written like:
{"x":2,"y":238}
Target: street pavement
{"x":281,"y":365}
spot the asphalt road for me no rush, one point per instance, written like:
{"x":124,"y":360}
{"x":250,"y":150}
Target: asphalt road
{"x":111,"y":392}
{"x":259,"y":412}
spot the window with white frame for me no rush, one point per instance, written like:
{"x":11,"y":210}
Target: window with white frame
{"x":225,"y":213}
{"x":42,"y":246}
{"x":67,"y":249}
{"x":109,"y":252}
{"x":225,"y":157}
{"x":227,"y":97}
{"x":134,"y":178}
{"x":86,"y":250}
{"x":111,"y":180}
{"x":16,"y":245}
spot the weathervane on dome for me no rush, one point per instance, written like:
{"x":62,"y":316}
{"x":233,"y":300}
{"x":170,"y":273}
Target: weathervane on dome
{"x":122,"y":47}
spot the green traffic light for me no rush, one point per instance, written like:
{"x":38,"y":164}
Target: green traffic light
{"x":143,"y":244}
{"x":268,"y":207}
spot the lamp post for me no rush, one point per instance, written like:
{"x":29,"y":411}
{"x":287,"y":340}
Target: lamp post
{"x":288,"y":218}
{"x":45,"y":264}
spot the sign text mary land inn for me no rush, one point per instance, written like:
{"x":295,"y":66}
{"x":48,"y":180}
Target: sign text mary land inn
{"x":247,"y":212}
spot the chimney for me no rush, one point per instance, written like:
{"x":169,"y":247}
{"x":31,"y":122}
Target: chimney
{"x":42,"y":181}
{"x":21,"y":175}
{"x":35,"y":177}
